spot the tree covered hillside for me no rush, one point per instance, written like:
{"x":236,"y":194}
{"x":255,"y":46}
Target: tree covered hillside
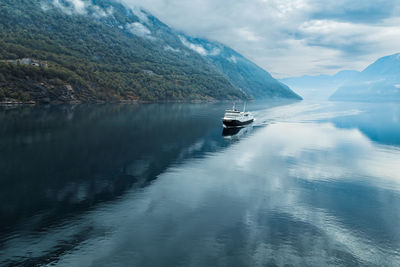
{"x":101,"y":51}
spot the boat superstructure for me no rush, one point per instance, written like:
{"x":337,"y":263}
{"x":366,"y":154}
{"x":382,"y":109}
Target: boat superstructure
{"x":236,"y":118}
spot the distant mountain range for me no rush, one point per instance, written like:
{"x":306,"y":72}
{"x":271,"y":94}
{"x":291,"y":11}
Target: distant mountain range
{"x":60,"y":51}
{"x":380,"y":81}
{"x":320,"y":86}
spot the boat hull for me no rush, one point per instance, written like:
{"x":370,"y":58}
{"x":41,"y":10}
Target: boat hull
{"x":236,"y":123}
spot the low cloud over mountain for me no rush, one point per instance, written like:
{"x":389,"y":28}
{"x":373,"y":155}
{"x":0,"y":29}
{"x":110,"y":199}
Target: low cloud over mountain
{"x":291,"y":37}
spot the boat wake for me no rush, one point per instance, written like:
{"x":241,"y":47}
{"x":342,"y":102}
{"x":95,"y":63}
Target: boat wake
{"x":303,"y":112}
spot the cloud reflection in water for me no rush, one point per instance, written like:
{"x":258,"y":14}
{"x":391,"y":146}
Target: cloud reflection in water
{"x":258,"y":202}
{"x":299,"y":190}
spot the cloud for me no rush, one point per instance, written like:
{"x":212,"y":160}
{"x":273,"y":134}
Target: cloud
{"x":290,"y":37}
{"x":214,"y":51}
{"x":355,"y":11}
{"x":349,"y":38}
{"x":142,"y":16}
{"x":233,"y":59}
{"x":86,"y":7}
{"x":247,"y":34}
{"x":139,"y":30}
{"x":99,"y":12}
{"x":169,"y":48}
{"x":78,"y":7}
{"x":71,"y":6}
{"x":195,"y":47}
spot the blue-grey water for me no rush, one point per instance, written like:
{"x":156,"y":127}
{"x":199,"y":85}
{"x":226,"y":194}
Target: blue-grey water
{"x":308,"y":184}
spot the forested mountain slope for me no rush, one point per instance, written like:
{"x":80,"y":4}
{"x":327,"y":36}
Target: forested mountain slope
{"x":99,"y":50}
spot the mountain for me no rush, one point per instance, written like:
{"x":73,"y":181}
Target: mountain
{"x":320,"y":86}
{"x":380,"y":81}
{"x":241,"y":72}
{"x":80,"y":50}
{"x":98,"y":50}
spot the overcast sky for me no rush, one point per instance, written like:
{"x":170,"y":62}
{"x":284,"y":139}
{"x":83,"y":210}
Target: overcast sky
{"x":290,"y":37}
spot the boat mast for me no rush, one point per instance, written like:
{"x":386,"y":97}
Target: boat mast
{"x":244,"y":108}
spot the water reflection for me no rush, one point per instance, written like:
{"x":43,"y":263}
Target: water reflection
{"x":293,"y":192}
{"x":379,"y":121}
{"x":231,"y":131}
{"x":266,"y":208}
{"x":60,"y":160}
{"x":237,"y":133}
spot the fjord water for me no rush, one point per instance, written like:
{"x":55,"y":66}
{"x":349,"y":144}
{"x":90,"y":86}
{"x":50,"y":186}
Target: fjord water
{"x":163,"y":185}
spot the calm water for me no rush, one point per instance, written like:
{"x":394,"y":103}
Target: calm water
{"x":163,"y":185}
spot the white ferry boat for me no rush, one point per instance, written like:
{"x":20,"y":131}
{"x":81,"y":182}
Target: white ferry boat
{"x":236,"y":118}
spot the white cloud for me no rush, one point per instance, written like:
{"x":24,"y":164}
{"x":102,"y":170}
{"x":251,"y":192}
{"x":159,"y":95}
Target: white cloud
{"x":214,"y":51}
{"x":139,"y":30}
{"x":74,"y":6}
{"x":195,"y":47}
{"x":80,"y":7}
{"x":247,"y":35}
{"x":233,"y":59}
{"x":290,"y":37}
{"x":98,"y":12}
{"x":140,"y":14}
{"x":169,"y":48}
